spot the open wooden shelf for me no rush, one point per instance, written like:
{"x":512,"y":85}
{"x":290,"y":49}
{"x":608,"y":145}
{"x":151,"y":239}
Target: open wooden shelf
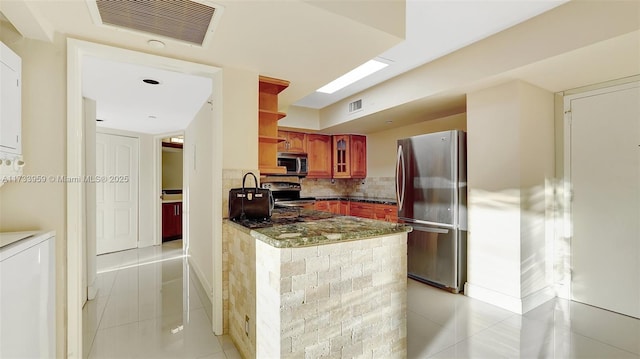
{"x":272,"y":85}
{"x":271,"y":114}
{"x":274,"y":170}
{"x":270,"y":139}
{"x":268,"y":117}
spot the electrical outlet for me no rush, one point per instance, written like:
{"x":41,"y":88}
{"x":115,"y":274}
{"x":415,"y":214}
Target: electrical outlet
{"x":246,"y":325}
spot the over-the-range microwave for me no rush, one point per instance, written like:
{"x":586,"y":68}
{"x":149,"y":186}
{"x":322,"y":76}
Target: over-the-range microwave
{"x":296,"y":163}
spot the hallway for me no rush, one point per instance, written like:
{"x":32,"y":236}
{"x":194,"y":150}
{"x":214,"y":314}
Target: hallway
{"x":148,"y":306}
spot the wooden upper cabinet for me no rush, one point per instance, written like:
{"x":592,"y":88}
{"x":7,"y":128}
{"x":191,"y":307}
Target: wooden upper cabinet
{"x":295,"y":142}
{"x":341,"y":158}
{"x":319,"y":155}
{"x":358,"y":156}
{"x":349,"y":156}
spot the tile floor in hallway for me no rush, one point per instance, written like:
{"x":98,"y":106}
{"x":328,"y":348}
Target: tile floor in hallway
{"x":444,"y":325}
{"x":148,"y":307}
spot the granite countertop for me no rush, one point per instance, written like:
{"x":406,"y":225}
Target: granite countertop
{"x":391,"y":201}
{"x":290,"y":227}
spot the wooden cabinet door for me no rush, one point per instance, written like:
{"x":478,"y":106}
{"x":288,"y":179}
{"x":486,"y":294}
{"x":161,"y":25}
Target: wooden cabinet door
{"x":349,"y":156}
{"x":341,"y":157}
{"x":358,"y":148}
{"x":171,"y":221}
{"x":297,"y":142}
{"x":334,"y":207}
{"x":319,"y":156}
{"x":322,"y":206}
{"x":359,"y":209}
{"x":386,"y":212}
{"x":178,"y":220}
{"x":344,"y":208}
{"x":283,"y":145}
{"x":294,"y":142}
{"x":167,"y":220}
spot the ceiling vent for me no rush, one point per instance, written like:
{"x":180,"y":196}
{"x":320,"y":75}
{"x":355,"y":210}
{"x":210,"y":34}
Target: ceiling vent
{"x":355,"y":106}
{"x":191,"y":22}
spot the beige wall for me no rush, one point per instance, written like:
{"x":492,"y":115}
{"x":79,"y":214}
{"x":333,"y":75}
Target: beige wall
{"x":301,"y":118}
{"x":43,"y":205}
{"x":172,"y":168}
{"x":381,"y":146}
{"x":240,"y":114}
{"x":510,"y":152}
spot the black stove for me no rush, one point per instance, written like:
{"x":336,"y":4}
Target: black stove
{"x":287,"y":194}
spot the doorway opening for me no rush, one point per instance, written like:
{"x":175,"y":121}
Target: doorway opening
{"x":172,"y":188}
{"x":76,"y":196}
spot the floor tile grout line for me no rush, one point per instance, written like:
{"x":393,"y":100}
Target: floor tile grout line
{"x":471,"y":336}
{"x":102,"y":312}
{"x":607,"y":344}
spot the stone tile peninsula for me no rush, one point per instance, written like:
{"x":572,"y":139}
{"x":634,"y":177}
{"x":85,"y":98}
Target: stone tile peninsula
{"x":314,"y":284}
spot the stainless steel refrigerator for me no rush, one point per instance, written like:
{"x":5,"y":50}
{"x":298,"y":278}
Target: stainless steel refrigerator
{"x":432,"y":197}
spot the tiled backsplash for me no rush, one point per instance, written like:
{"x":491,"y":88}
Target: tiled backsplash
{"x":374,"y":187}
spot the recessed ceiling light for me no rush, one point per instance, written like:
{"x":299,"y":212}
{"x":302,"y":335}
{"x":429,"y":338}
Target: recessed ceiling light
{"x":156,"y":43}
{"x":352,"y":76}
{"x":151,"y":81}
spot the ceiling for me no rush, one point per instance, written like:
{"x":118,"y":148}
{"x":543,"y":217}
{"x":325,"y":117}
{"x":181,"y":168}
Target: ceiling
{"x":124,"y":101}
{"x":434,"y":29}
{"x":308,"y":42}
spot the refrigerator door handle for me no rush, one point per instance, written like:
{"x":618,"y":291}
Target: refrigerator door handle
{"x":429,"y":229}
{"x":399,"y":164}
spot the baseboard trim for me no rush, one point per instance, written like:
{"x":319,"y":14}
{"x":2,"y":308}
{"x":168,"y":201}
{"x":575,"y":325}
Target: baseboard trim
{"x":92,"y":292}
{"x":513,"y":304}
{"x":205,"y":291}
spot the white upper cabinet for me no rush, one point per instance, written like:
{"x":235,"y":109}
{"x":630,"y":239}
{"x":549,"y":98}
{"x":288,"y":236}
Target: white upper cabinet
{"x":10,"y":103}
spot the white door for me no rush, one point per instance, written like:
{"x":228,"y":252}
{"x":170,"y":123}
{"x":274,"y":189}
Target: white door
{"x":116,"y":193}
{"x":605,"y":174}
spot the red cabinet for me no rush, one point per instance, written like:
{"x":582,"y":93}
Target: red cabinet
{"x":171,"y":221}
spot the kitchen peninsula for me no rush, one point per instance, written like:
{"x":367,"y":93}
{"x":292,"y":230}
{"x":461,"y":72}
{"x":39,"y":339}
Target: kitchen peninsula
{"x":309,"y":284}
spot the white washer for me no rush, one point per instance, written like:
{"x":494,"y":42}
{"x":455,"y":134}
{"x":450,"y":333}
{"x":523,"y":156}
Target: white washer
{"x":27,"y":295}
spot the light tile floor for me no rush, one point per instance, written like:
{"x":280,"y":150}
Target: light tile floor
{"x":445,"y":325}
{"x":148,"y":307}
